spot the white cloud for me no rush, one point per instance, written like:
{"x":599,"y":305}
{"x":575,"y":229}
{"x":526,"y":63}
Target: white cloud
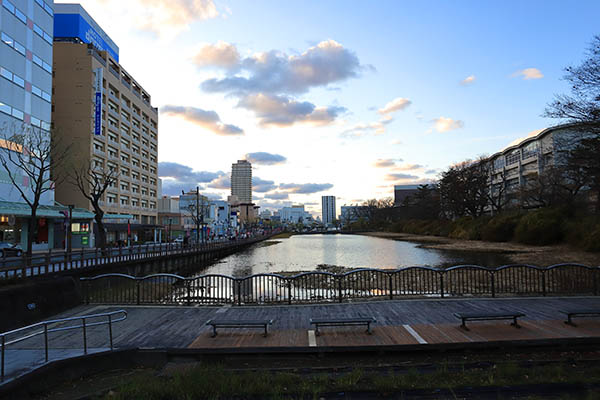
{"x":443,"y":124}
{"x":409,"y":167}
{"x":528,"y":73}
{"x":282,"y":111}
{"x":221,"y":54}
{"x":468,"y":80}
{"x":400,"y":177}
{"x":263,"y":158}
{"x":384,"y":163}
{"x":209,"y":120}
{"x":166,"y":18}
{"x":276,"y":72}
{"x":397,"y":104}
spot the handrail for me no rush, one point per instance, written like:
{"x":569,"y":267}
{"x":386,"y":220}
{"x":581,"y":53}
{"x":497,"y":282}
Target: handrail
{"x":364,"y":282}
{"x":58,"y":261}
{"x":84,"y":325}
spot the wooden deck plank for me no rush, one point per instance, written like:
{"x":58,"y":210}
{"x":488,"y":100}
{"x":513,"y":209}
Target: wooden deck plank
{"x":432,"y":319}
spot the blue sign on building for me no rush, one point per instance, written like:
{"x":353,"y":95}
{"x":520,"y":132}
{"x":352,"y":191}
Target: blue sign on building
{"x":75,"y":26}
{"x":98,"y":116}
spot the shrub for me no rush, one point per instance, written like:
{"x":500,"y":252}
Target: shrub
{"x":468,"y":228}
{"x":540,"y":227}
{"x":592,"y":240}
{"x":501,"y":228}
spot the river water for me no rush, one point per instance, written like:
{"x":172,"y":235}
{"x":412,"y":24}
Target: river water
{"x":306,"y":252}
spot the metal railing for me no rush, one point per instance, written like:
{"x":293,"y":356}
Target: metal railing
{"x":59,"y":261}
{"x":46,"y":329}
{"x":315,"y":287}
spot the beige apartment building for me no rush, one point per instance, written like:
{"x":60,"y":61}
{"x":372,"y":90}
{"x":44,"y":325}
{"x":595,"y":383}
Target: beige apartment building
{"x":109,"y":119}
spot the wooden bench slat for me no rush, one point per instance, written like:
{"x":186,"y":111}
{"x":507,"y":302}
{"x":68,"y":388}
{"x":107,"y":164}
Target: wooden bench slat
{"x":342,"y":322}
{"x":240,"y":323}
{"x":579,"y":313}
{"x":488,"y":316}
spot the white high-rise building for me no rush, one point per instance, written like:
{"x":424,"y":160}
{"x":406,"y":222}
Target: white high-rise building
{"x":241,"y":181}
{"x":328,"y":209}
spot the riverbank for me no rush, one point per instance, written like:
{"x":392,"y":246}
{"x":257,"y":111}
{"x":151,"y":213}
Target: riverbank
{"x":516,"y":252}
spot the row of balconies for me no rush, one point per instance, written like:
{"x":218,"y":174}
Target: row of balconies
{"x":130,"y":111}
{"x":125,"y":206}
{"x":117,"y":131}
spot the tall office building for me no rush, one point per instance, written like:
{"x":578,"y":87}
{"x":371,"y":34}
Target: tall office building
{"x":328,"y":209}
{"x":241,"y":181}
{"x":107,"y":116}
{"x":26,"y":30}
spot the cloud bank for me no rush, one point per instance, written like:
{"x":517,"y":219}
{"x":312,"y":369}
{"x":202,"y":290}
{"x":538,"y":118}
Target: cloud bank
{"x":304,"y":188}
{"x":267,"y":83}
{"x":208,"y":120}
{"x":273,"y":110}
{"x":177,"y":177}
{"x":262,"y":158}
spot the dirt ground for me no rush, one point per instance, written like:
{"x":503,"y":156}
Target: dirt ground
{"x":518,"y":253}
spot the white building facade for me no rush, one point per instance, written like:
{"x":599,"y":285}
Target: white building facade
{"x":294,"y":215}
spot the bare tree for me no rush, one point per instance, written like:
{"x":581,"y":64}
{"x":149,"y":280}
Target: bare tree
{"x":92,"y":182}
{"x":464,"y":188}
{"x":37,"y":155}
{"x":583,"y":105}
{"x":198,"y":212}
{"x":582,"y":108}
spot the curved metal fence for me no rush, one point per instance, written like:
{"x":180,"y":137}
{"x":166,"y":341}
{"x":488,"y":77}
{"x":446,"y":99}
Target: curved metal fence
{"x":322,"y":287}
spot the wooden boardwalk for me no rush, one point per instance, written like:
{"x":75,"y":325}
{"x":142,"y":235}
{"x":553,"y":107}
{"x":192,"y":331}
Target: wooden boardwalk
{"x":399,"y":322}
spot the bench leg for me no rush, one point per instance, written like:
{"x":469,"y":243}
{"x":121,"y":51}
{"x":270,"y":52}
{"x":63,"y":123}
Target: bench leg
{"x":464,"y":325}
{"x":214,"y":331}
{"x":266,"y":330}
{"x":317,"y":333}
{"x":569,"y":321}
{"x":515,"y":323}
{"x":369,"y":328}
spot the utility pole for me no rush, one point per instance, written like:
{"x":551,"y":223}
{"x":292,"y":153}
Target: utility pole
{"x":197,"y":214}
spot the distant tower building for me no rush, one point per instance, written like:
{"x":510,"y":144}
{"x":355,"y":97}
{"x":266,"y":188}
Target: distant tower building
{"x":241,"y":181}
{"x":328,"y":209}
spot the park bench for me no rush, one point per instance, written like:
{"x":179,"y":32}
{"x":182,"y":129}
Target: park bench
{"x":342,"y":322}
{"x":240,"y":323}
{"x":489,"y":316}
{"x":580,"y":313}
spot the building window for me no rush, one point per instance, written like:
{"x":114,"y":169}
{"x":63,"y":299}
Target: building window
{"x":513,"y":157}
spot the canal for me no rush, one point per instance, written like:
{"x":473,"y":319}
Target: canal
{"x":311,"y":252}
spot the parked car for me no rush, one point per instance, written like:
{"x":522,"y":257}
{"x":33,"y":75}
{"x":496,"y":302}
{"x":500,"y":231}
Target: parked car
{"x":10,"y":250}
{"x":178,"y":240}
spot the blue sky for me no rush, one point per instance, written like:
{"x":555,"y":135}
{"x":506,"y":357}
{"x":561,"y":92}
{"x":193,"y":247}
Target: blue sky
{"x":219,"y":100}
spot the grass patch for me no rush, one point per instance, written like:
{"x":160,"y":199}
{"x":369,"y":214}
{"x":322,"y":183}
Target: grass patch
{"x":214,"y":382}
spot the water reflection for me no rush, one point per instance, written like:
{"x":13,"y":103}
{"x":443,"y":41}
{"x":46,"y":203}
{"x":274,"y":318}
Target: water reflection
{"x":305,"y":252}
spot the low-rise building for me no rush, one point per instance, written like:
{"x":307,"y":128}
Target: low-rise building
{"x":295,"y":214}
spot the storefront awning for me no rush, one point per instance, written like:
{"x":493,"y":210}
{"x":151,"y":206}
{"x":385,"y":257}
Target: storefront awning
{"x":23,"y":210}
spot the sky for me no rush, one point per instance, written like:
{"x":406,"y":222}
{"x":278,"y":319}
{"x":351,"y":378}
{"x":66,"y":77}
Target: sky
{"x":345,"y":98}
